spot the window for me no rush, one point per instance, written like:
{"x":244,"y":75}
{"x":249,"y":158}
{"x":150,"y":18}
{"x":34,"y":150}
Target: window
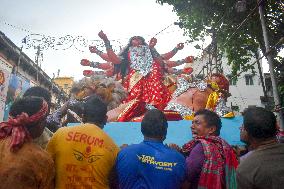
{"x":200,"y":76}
{"x":235,"y":108}
{"x":232,"y":80}
{"x":249,"y":79}
{"x":65,"y":86}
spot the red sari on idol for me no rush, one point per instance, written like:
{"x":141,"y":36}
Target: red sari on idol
{"x":144,"y":83}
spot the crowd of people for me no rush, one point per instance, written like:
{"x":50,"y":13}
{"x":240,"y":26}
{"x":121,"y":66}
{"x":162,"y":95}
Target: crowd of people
{"x":36,"y":152}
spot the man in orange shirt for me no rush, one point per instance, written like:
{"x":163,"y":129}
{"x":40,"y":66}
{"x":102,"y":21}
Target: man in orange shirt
{"x":24,"y":164}
{"x":84,"y":155}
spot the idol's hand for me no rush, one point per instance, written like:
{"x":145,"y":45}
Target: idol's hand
{"x":93,"y":49}
{"x":153,"y":42}
{"x":189,"y":59}
{"x":85,"y":62}
{"x":180,"y":46}
{"x":103,"y":36}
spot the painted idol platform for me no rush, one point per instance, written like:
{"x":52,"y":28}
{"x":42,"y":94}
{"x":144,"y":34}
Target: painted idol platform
{"x":179,"y":132}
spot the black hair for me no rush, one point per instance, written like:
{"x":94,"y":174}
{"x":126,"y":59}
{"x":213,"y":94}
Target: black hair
{"x":154,"y":124}
{"x":95,"y":110}
{"x":39,"y":92}
{"x":260,"y":123}
{"x":211,"y":118}
{"x":29,"y":105}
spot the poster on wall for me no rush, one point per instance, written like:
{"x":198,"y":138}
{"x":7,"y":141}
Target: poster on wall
{"x":4,"y":82}
{"x":5,"y":71}
{"x":32,"y":83}
{"x":17,"y":86}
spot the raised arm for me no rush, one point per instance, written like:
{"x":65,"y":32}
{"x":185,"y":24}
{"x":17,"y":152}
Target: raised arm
{"x":175,"y":71}
{"x":107,"y":67}
{"x":173,"y":52}
{"x":111,"y":55}
{"x":171,"y":64}
{"x":103,"y":66}
{"x":156,"y":56}
{"x":104,"y":56}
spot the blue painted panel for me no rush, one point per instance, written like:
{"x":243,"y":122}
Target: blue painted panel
{"x":178,"y":131}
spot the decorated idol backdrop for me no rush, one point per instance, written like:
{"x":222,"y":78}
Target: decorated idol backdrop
{"x":17,"y":86}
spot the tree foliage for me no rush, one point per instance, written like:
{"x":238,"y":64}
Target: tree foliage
{"x":197,"y":16}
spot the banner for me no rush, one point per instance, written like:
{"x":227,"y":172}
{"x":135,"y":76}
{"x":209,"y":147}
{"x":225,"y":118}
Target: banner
{"x":4,"y":82}
{"x":17,"y":86}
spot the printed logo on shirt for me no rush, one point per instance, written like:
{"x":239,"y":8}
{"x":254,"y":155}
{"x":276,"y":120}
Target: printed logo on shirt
{"x":162,"y":165}
{"x":86,"y":156}
{"x":83,"y":138}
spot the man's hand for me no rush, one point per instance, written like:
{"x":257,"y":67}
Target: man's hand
{"x":180,"y":46}
{"x":175,"y":147}
{"x":153,"y":42}
{"x":123,"y":146}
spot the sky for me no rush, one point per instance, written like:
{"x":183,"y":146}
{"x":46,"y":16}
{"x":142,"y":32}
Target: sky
{"x":119,"y":19}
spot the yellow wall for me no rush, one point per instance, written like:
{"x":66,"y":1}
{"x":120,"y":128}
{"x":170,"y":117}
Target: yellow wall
{"x":65,"y":83}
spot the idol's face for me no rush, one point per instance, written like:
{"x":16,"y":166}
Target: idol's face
{"x":136,"y":42}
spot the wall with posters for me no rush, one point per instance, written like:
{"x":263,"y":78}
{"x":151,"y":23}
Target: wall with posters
{"x":17,"y":86}
{"x":12,"y":86}
{"x":5,"y":71}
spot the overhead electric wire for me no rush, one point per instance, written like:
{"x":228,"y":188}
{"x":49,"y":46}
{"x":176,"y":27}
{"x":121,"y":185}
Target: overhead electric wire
{"x":265,"y":54}
{"x":247,"y":17}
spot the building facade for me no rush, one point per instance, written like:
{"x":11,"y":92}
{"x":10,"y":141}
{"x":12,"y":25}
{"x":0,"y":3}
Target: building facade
{"x":65,"y":83}
{"x":18,"y":73}
{"x":246,"y":90}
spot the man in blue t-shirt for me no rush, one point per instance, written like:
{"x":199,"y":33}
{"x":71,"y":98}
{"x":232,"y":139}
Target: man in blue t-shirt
{"x":151,"y":164}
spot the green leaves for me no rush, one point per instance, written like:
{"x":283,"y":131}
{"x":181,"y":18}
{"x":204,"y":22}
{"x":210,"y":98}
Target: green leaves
{"x":199,"y":15}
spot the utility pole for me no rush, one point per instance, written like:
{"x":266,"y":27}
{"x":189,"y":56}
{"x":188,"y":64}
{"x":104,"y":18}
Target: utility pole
{"x":19,"y":60}
{"x":271,"y":67}
{"x":37,"y":61}
{"x":260,"y":75}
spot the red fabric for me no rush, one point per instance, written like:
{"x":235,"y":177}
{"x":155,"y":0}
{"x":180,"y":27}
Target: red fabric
{"x":172,"y":115}
{"x":136,"y":109}
{"x":17,"y":127}
{"x":220,"y":164}
{"x":148,"y":90}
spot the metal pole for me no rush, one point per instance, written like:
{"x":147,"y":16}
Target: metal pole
{"x":37,"y":58}
{"x":260,"y":75}
{"x":270,"y":62}
{"x":19,"y":60}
